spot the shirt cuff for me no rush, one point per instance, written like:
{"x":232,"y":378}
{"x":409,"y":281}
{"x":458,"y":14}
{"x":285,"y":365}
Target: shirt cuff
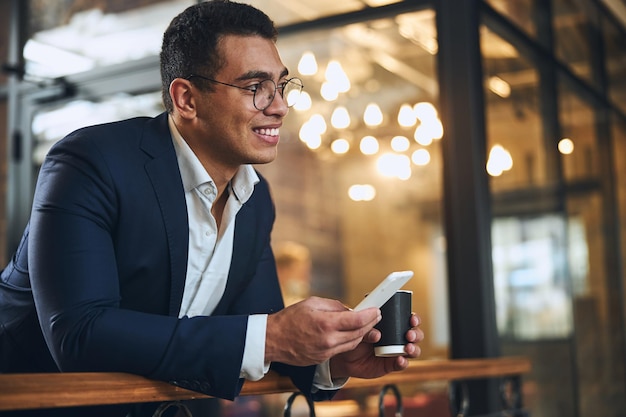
{"x":323,"y":380}
{"x":253,"y":366}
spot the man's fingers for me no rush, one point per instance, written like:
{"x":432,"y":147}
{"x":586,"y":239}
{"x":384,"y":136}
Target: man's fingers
{"x":353,"y":320}
{"x":372,"y":336}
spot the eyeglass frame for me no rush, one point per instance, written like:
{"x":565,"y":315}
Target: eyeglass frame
{"x":254,"y":91}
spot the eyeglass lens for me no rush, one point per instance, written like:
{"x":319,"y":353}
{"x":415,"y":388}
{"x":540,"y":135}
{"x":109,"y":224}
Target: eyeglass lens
{"x":266,"y":91}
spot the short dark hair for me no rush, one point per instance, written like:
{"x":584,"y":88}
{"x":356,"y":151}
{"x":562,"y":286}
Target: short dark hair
{"x":191,"y":40}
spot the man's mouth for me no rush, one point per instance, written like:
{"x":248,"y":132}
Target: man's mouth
{"x":268,"y":132}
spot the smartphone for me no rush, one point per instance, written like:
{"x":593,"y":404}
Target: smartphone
{"x":383,"y":292}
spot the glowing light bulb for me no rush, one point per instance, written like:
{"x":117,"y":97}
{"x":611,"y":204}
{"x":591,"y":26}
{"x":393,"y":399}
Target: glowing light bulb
{"x":394,"y":165}
{"x":340,"y":146}
{"x":424,"y":111}
{"x":307,"y":64}
{"x":373,"y":116}
{"x":499,"y":160}
{"x":329,"y":91}
{"x":406,"y":116}
{"x":362,"y":192}
{"x":340,"y":119}
{"x":314,"y":142}
{"x":318,"y":123}
{"x":566,"y":146}
{"x":420,"y":157}
{"x":400,"y":143}
{"x":422,"y":135}
{"x":499,"y":86}
{"x":337,"y":76}
{"x":304,"y":103}
{"x":369,"y":145}
{"x":311,"y":131}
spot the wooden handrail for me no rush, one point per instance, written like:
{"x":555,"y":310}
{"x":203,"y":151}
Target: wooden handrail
{"x":32,"y":391}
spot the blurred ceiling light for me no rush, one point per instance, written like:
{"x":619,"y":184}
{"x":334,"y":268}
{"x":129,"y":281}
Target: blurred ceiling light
{"x":362,"y":192}
{"x":311,"y":131}
{"x":425,"y":111}
{"x":420,"y":157}
{"x":499,"y":161}
{"x":307,"y":64}
{"x":394,"y":165}
{"x":293,"y":98}
{"x":340,"y":146}
{"x":318,"y":123}
{"x":373,"y":116}
{"x":434,"y":128}
{"x":566,"y":146}
{"x":304,"y":103}
{"x":498,"y":86}
{"x":422,"y":135}
{"x":306,"y":133}
{"x":406,"y":116}
{"x":314,"y":142}
{"x":400,"y":143}
{"x":340,"y":118}
{"x":337,"y":76}
{"x":329,"y":91}
{"x":369,"y":145}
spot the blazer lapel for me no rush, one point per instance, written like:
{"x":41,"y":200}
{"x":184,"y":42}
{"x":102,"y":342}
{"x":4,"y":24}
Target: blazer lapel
{"x":244,"y":244}
{"x":164,"y":174}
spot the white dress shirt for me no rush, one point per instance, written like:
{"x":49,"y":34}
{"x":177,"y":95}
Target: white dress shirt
{"x":210,"y":253}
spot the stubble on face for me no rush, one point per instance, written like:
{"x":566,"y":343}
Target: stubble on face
{"x":230,"y":130}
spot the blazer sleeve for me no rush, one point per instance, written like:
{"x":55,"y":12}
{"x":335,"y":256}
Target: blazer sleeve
{"x":101,"y":272}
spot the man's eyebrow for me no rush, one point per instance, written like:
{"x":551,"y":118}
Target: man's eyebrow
{"x":261,"y":75}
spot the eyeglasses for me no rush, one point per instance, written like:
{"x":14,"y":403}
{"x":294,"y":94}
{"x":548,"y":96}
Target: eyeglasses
{"x":265,"y":91}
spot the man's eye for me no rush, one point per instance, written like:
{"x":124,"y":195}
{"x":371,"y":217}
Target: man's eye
{"x":254,"y":87}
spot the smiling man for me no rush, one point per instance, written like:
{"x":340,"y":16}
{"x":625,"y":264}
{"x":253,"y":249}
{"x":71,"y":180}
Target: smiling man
{"x":148,"y":249}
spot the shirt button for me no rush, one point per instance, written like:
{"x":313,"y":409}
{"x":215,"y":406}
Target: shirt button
{"x":207,"y":191}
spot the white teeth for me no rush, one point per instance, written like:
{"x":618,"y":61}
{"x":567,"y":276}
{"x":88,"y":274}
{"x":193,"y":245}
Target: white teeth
{"x":268,"y":132}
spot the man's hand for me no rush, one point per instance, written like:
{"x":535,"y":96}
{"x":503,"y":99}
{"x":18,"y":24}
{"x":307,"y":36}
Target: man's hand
{"x":317,"y":329}
{"x":362,"y":363}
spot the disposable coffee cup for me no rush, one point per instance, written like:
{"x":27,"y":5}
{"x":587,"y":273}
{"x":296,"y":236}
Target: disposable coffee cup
{"x":395,"y":322}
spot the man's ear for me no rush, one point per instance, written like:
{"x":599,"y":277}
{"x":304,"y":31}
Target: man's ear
{"x":183,"y":100}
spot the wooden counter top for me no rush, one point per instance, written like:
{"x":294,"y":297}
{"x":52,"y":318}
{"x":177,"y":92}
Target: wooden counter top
{"x":30,"y":391}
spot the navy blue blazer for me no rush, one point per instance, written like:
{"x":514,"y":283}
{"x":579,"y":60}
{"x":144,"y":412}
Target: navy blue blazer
{"x":98,"y":279}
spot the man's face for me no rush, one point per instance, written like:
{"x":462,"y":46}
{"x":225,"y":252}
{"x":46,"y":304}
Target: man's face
{"x":230,"y":131}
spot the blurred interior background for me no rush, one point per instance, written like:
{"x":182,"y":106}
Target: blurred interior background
{"x":478,"y":143}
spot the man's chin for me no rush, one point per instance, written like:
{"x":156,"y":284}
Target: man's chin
{"x":265,"y":158}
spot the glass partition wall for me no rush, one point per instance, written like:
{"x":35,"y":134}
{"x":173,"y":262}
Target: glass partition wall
{"x":358,"y":181}
{"x":558,"y":272}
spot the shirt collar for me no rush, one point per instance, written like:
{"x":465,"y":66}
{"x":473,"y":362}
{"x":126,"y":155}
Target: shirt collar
{"x":193,"y":173}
